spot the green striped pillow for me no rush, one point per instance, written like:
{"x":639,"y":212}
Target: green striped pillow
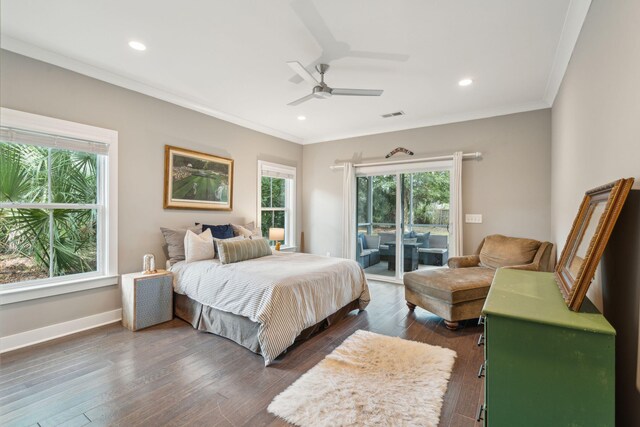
{"x":242,"y":250}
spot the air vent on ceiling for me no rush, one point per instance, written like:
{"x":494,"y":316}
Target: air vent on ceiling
{"x":397,"y":113}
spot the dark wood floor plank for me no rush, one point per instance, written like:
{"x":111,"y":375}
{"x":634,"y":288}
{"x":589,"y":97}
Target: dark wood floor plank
{"x":60,"y":345}
{"x":195,"y":407}
{"x":111,"y":344}
{"x":62,"y":385}
{"x":442,"y":336}
{"x":51,"y":380}
{"x":470,"y":393}
{"x":79,"y":421}
{"x":172,"y":375}
{"x":162,"y":406}
{"x":191,"y":367}
{"x":462,"y":421}
{"x":111,"y":389}
{"x":128,"y":375}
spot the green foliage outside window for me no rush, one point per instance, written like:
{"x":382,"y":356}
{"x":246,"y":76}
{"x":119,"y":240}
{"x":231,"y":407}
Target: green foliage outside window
{"x":273,"y":193}
{"x":271,"y":219}
{"x":430,"y":198}
{"x":25,"y":233}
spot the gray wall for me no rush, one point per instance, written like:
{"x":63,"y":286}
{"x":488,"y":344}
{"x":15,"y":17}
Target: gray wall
{"x":145,"y":125}
{"x":595,"y":140}
{"x":596,"y":114}
{"x":509,"y":186}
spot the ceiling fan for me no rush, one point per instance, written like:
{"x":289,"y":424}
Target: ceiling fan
{"x":320,"y":88}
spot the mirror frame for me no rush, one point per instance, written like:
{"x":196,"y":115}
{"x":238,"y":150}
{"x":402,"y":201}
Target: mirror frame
{"x":574,"y":289}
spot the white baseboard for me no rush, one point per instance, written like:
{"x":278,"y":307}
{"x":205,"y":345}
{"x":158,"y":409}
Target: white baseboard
{"x":35,"y":336}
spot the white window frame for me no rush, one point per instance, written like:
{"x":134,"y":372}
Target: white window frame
{"x":290,"y":200}
{"x":107,"y":274}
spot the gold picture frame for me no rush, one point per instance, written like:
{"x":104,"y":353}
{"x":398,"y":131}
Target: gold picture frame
{"x":195,"y":180}
{"x":588,"y":238}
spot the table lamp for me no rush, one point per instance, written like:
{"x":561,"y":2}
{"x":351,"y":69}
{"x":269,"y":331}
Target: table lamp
{"x":276,"y":234}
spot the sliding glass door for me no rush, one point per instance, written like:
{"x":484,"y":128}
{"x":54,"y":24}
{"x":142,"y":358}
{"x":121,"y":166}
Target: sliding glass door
{"x":426,"y":205}
{"x":403,"y":221}
{"x":377,"y":225}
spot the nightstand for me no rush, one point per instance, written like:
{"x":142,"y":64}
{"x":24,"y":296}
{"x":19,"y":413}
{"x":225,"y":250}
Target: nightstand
{"x":147,"y":299}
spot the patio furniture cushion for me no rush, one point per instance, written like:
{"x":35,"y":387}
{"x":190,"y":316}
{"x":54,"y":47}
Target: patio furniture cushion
{"x":363,"y":241}
{"x":423,"y":239}
{"x":372,"y":242}
{"x":451,"y":285}
{"x":438,"y":241}
{"x":369,"y":253}
{"x":386,"y":237}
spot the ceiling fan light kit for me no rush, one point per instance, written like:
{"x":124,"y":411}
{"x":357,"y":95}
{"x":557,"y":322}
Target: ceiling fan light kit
{"x":320,"y":89}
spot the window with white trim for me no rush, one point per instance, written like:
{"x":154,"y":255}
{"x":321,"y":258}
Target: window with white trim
{"x":57,"y":201}
{"x":277,"y":199}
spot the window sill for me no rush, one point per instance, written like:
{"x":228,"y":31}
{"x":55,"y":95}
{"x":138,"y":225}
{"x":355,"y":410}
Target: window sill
{"x":44,"y":290}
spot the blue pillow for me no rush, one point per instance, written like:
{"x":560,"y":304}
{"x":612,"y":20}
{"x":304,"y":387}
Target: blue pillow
{"x":423,"y":239}
{"x":219,"y":231}
{"x":364,"y":241}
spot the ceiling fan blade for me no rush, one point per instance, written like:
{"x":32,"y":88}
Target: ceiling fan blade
{"x":379,"y":55}
{"x":301,"y":100}
{"x":302,"y":72}
{"x":356,"y":92}
{"x":317,"y":26}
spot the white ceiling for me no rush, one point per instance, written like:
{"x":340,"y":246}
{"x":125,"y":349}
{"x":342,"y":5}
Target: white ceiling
{"x":228,"y":58}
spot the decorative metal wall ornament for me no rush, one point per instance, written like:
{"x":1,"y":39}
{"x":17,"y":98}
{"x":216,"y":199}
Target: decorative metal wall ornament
{"x":399,"y":150}
{"x":149,"y":264}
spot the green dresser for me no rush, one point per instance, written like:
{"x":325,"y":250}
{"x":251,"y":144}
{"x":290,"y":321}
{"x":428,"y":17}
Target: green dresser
{"x":544,"y":364}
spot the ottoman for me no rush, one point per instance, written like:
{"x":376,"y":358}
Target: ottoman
{"x":451,"y":293}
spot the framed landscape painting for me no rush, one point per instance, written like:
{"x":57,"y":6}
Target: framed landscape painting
{"x":194,"y":180}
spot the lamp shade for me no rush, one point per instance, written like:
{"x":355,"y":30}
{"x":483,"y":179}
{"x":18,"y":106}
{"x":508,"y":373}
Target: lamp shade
{"x":276,"y":234}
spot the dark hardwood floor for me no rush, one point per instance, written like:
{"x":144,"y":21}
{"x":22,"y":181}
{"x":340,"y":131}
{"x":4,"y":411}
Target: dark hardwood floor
{"x":172,"y":375}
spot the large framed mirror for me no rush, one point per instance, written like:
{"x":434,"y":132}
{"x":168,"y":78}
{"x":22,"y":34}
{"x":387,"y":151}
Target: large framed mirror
{"x":588,"y":238}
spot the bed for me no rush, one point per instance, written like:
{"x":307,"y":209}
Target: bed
{"x":265,"y":304}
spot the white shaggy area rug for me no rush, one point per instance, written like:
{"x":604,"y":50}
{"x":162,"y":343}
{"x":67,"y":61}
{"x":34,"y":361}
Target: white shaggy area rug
{"x":370,"y":380}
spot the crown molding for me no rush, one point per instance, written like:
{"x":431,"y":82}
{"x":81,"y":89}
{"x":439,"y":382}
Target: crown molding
{"x":576,"y":14}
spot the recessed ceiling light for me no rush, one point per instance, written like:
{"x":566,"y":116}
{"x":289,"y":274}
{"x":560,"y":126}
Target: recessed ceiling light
{"x":302,"y":118}
{"x":465,"y":82}
{"x":137,"y":45}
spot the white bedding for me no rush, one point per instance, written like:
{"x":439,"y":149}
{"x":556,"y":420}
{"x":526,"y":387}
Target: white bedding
{"x":285,"y":292}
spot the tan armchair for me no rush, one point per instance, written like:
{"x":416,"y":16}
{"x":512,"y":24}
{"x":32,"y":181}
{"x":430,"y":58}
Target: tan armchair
{"x":499,"y":251}
{"x":458,"y":293}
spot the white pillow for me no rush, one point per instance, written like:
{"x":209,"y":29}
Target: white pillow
{"x":198,"y":246}
{"x":248,"y":231}
{"x":240,"y":231}
{"x":256,"y":232}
